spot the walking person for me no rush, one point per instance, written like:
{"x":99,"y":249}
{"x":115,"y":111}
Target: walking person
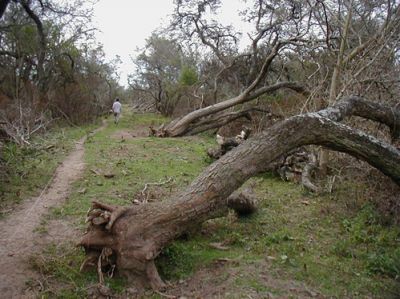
{"x":116,"y":108}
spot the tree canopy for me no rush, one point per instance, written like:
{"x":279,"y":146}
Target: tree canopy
{"x":51,"y":66}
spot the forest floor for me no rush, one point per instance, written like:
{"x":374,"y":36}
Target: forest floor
{"x":298,"y":245}
{"x":20,"y":236}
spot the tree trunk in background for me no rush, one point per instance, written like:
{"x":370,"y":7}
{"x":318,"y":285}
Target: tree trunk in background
{"x":324,"y":154}
{"x":133,"y":237}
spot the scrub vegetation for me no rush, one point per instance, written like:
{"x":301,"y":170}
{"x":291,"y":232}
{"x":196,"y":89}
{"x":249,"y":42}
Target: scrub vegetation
{"x":297,"y":244}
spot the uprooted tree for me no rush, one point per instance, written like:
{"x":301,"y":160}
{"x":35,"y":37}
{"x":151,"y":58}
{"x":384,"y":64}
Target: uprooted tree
{"x":131,"y":238}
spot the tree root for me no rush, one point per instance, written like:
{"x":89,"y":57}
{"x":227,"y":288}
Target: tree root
{"x":306,"y":175}
{"x":90,"y":261}
{"x":103,"y":248}
{"x":306,"y":179}
{"x":101,"y":213}
{"x":155,"y":281}
{"x":115,"y":216}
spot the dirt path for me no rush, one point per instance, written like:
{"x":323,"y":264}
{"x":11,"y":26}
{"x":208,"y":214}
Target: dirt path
{"x":18,"y":239}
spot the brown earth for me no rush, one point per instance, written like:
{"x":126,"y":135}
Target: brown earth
{"x":19,"y":241}
{"x":222,"y":280}
{"x":18,"y":238}
{"x":140,"y":131}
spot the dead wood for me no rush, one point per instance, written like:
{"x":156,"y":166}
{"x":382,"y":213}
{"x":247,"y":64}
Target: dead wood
{"x":142,"y":231}
{"x":194,"y":122}
{"x":228,"y":143}
{"x":307,"y":173}
{"x":243,"y":202}
{"x":144,"y":194}
{"x":95,"y":171}
{"x":219,"y":246}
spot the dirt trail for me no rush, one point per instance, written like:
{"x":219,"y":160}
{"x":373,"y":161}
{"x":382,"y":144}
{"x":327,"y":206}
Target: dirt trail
{"x":18,"y":239}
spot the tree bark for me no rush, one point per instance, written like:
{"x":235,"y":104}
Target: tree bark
{"x":136,"y":235}
{"x":324,"y":154}
{"x":189,"y":122}
{"x":42,"y":40}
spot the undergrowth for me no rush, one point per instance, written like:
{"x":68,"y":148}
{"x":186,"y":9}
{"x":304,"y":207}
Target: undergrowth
{"x":27,"y":170}
{"x":296,"y":245}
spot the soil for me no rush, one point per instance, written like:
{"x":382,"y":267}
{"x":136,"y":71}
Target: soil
{"x":18,"y":238}
{"x":140,"y":131}
{"x":19,"y":241}
{"x":222,"y":280}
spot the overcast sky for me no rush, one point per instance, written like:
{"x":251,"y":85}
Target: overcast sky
{"x":125,"y":24}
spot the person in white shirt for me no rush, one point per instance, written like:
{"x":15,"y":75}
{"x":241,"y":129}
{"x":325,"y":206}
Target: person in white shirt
{"x":116,"y":108}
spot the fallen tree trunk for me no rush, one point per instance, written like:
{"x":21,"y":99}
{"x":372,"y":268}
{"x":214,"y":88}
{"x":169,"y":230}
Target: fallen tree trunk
{"x":133,"y":237}
{"x":192,"y":123}
{"x":358,"y":106}
{"x":208,"y":123}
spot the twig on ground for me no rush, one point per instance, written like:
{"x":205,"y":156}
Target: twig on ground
{"x":99,"y":272}
{"x":166,"y":295}
{"x":146,"y":186}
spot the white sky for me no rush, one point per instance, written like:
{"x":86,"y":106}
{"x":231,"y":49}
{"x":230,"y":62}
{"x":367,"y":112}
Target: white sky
{"x":125,"y":24}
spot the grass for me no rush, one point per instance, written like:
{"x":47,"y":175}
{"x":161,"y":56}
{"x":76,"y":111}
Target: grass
{"x":181,"y":259}
{"x":62,"y":262}
{"x":134,"y":162}
{"x":27,"y":170}
{"x":311,"y":243}
{"x":297,"y":243}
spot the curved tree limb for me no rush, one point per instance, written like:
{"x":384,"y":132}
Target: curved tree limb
{"x":221,"y":120}
{"x":138,"y":236}
{"x":180,"y":126}
{"x":358,"y":106}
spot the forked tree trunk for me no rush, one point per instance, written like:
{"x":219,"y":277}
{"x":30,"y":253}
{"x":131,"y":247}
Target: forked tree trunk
{"x":134,"y":236}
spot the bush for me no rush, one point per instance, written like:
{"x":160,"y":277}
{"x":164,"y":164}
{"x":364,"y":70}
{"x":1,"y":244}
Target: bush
{"x":385,"y":263}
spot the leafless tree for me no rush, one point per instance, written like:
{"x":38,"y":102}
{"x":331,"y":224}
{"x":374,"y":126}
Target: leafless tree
{"x":278,"y":28}
{"x":334,"y":43}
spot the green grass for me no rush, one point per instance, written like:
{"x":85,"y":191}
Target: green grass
{"x":311,"y":244}
{"x":134,"y":162}
{"x":334,"y":244}
{"x":182,"y":258}
{"x":27,"y":170}
{"x":62,"y":262}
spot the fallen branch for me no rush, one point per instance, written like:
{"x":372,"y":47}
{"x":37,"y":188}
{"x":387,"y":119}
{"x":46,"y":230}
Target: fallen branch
{"x":165,"y":295}
{"x":145,"y":195}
